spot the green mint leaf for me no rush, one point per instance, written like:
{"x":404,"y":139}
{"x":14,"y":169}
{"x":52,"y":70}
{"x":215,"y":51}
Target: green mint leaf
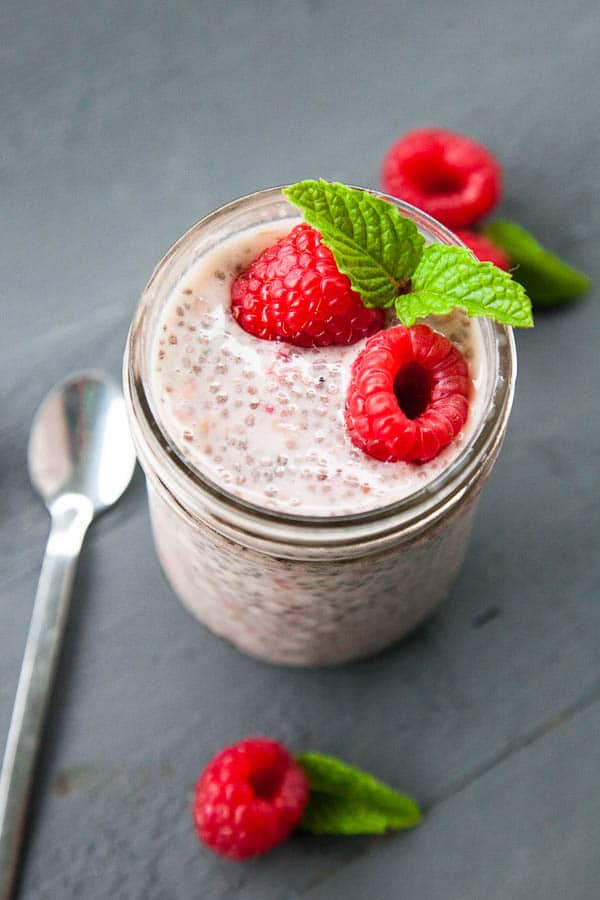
{"x":449,"y":277}
{"x":344,"y":800}
{"x":376,"y":247}
{"x":548,"y":280}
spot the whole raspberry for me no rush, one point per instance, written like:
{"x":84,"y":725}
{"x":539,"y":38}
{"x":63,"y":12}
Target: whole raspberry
{"x":484,"y":249}
{"x":408,"y":394}
{"x":249,"y":798}
{"x":451,"y":177}
{"x":294,"y":292}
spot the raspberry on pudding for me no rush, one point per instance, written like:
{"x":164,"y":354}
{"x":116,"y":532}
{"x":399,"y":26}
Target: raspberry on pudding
{"x":294,"y":292}
{"x":408,"y":395}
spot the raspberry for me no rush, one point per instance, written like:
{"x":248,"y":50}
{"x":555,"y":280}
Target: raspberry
{"x":249,"y":798}
{"x":484,"y":249}
{"x":294,"y":292}
{"x":407,"y":397}
{"x":451,"y":177}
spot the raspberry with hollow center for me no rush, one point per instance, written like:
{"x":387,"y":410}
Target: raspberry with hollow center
{"x":294,"y":292}
{"x":484,"y":249}
{"x":451,"y":177}
{"x":408,"y":395}
{"x":249,"y":798}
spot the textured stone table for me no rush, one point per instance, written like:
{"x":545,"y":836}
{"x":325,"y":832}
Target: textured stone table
{"x":120,"y":125}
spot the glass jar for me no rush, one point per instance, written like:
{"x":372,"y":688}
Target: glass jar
{"x":289,"y":588}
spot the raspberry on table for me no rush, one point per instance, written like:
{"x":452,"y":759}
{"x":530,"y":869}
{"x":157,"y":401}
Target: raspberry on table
{"x":294,"y":292}
{"x":249,"y":798}
{"x":408,"y":395}
{"x":484,"y":249}
{"x":448,"y":175}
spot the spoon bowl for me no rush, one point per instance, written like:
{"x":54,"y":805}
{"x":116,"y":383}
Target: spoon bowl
{"x":79,"y":444}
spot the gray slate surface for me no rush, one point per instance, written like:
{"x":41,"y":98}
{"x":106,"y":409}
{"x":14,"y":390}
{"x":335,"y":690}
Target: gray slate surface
{"x":120,"y":125}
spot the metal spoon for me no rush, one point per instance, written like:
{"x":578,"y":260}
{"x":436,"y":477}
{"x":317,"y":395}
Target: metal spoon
{"x":81,"y":459}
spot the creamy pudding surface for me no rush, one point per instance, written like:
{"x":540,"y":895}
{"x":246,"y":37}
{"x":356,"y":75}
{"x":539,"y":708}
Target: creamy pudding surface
{"x":265,"y":420}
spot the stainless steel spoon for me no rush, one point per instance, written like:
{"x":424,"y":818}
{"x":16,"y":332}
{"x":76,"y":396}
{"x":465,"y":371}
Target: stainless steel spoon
{"x":81,"y":459}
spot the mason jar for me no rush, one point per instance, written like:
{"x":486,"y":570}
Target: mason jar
{"x":288,"y":588}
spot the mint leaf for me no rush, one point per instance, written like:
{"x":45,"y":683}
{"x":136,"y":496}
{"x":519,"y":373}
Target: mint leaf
{"x":449,"y":277}
{"x":376,"y":247}
{"x":382,"y":254}
{"x":344,"y":800}
{"x":548,"y":280}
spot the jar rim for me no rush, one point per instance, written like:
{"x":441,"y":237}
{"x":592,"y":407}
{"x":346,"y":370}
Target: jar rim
{"x":206,"y":499}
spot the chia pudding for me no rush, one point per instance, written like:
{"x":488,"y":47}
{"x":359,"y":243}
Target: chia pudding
{"x":266,"y":419}
{"x":273,"y":529}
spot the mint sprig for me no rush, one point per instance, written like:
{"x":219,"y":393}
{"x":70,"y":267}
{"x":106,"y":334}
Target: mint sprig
{"x":449,"y":277}
{"x":376,"y":247}
{"x":345,"y":800}
{"x":383,"y":255}
{"x":548,"y":280}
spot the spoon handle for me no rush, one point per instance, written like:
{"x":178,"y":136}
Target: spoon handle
{"x":67,"y":532}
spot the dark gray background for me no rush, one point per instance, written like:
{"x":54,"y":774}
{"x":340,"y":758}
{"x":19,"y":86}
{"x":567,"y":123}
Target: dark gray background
{"x":122,"y":123}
